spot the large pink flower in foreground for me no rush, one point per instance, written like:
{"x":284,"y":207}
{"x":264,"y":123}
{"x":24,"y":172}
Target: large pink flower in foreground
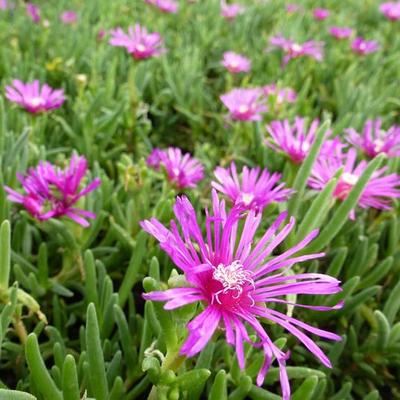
{"x":363,"y":47}
{"x":254,"y":190}
{"x":34,"y":98}
{"x":391,"y":10}
{"x":239,"y":281}
{"x":375,"y":140}
{"x":138,"y":42}
{"x":378,"y":192}
{"x":166,"y":6}
{"x":235,"y":63}
{"x":51,"y":192}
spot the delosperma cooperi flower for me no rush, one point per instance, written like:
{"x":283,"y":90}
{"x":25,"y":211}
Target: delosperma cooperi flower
{"x":244,"y":104}
{"x":34,"y":12}
{"x":235,"y":63}
{"x":293,"y":139}
{"x":166,"y":6}
{"x":391,"y":10}
{"x":375,"y":140}
{"x":378,"y":192}
{"x":239,"y":280}
{"x":253,"y":190}
{"x":33,"y":98}
{"x":68,"y":17}
{"x":340,"y":32}
{"x":292,"y":49}
{"x":363,"y":47}
{"x":231,"y":11}
{"x":138,"y":42}
{"x":321,"y":14}
{"x":154,"y":158}
{"x":52,"y":192}
{"x":281,"y":95}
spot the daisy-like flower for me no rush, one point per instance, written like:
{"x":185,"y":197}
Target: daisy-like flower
{"x":244,"y":104}
{"x":377,"y":193}
{"x":295,"y":140}
{"x":239,"y":281}
{"x":292,"y":49}
{"x":154,"y":158}
{"x":167,"y":6}
{"x":68,"y":17}
{"x":33,"y":98}
{"x":34,"y":12}
{"x":391,"y":10}
{"x":231,"y":11}
{"x":3,"y":5}
{"x":363,"y":47}
{"x":235,"y":63}
{"x":340,"y":32}
{"x":281,"y":96}
{"x":138,"y":42}
{"x":375,"y":140}
{"x":254,"y":190}
{"x":52,"y":192}
{"x":321,"y":14}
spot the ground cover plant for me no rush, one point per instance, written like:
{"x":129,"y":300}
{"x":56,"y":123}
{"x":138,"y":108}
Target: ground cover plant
{"x":199,"y":200}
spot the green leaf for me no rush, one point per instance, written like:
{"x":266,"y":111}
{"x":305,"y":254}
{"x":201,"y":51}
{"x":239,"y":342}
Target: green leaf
{"x":70,"y":385}
{"x":306,"y":389}
{"x":6,"y":394}
{"x":219,"y":387}
{"x":392,"y":304}
{"x":383,"y":330}
{"x":5,"y":254}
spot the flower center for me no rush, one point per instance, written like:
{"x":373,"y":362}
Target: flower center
{"x":176,"y":171}
{"x":363,"y":46}
{"x":345,"y":184}
{"x":350,"y":179}
{"x":247,"y":198}
{"x":296,"y":48}
{"x":234,"y":64}
{"x":140,"y":47}
{"x":243,"y":109}
{"x":378,"y":145}
{"x":36,"y":101}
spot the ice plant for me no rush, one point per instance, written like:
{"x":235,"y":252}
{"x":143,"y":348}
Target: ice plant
{"x":293,"y":139}
{"x":244,"y":104}
{"x":52,"y":192}
{"x":239,"y":280}
{"x":292,"y":49}
{"x":253,"y":190}
{"x":391,"y":10}
{"x":363,"y":47}
{"x":167,"y":6}
{"x":154,"y":158}
{"x":231,"y":11}
{"x":34,"y":12}
{"x":321,"y":14}
{"x":375,"y":140}
{"x":280,"y":95}
{"x":68,"y":17}
{"x":138,"y":42}
{"x":33,"y":98}
{"x":340,"y":32}
{"x":235,"y":63}
{"x":3,"y":5}
{"x":377,"y":193}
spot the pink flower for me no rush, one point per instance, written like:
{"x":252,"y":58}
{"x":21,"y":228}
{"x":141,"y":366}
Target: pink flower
{"x":68,"y":17}
{"x":239,"y":280}
{"x":254,"y":190}
{"x":391,"y":10}
{"x":231,"y":11}
{"x":362,"y":47}
{"x":101,"y":34}
{"x":244,"y":104}
{"x":294,"y":140}
{"x":235,"y":63}
{"x":340,"y":32}
{"x":375,"y":140}
{"x":378,"y":192}
{"x":34,"y":12}
{"x":51,"y":192}
{"x":321,"y":14}
{"x":154,"y":158}
{"x":292,"y":8}
{"x":33,"y":98}
{"x":4,"y":5}
{"x":167,"y":6}
{"x":281,"y":95}
{"x":138,"y":42}
{"x":294,"y":50}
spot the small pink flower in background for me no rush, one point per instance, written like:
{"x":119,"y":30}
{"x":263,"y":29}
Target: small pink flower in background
{"x":281,"y":95}
{"x":52,"y":192}
{"x":362,"y":46}
{"x":292,"y":8}
{"x":235,"y":63}
{"x":340,"y":32}
{"x":391,"y":10}
{"x":4,"y":5}
{"x":374,"y":140}
{"x":254,"y":190}
{"x":378,"y":192}
{"x":244,"y":104}
{"x":33,"y":98}
{"x":154,"y":158}
{"x":231,"y":11}
{"x":34,"y":12}
{"x":239,"y":278}
{"x":321,"y":14}
{"x":311,"y":48}
{"x":101,"y":34}
{"x":295,"y":140}
{"x":138,"y":42}
{"x":68,"y":17}
{"x":167,"y":6}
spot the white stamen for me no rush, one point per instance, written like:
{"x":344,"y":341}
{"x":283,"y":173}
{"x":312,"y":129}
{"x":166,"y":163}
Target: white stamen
{"x":378,"y":145}
{"x":247,"y":198}
{"x":36,"y":101}
{"x":176,"y":171}
{"x":243,"y":109}
{"x":140,"y":47}
{"x":296,"y":47}
{"x":234,"y":64}
{"x":350,"y":179}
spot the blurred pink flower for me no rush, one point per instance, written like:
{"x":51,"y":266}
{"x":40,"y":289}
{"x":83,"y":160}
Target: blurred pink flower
{"x":362,"y":46}
{"x":292,"y":8}
{"x":391,"y":10}
{"x":281,"y":95}
{"x":321,"y":14}
{"x":68,"y":17}
{"x":34,"y":12}
{"x":235,"y":63}
{"x":4,"y":5}
{"x":231,"y":11}
{"x":167,"y":6}
{"x":100,"y":34}
{"x":340,"y":32}
{"x":154,"y":158}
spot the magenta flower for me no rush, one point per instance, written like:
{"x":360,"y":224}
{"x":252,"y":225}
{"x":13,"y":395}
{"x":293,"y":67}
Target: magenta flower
{"x":294,"y":140}
{"x":33,"y":98}
{"x":294,"y":50}
{"x":281,"y":95}
{"x":254,"y":190}
{"x":34,"y":12}
{"x":51,"y":192}
{"x":101,"y":34}
{"x":138,"y":42}
{"x":292,"y":8}
{"x":321,"y":14}
{"x":391,"y":10}
{"x":68,"y":17}
{"x":3,"y":5}
{"x":154,"y":158}
{"x":378,"y":192}
{"x":167,"y":6}
{"x":235,"y":63}
{"x":239,"y":280}
{"x":340,"y":32}
{"x":375,"y":140}
{"x":362,"y":47}
{"x":231,"y":11}
{"x":244,"y":104}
